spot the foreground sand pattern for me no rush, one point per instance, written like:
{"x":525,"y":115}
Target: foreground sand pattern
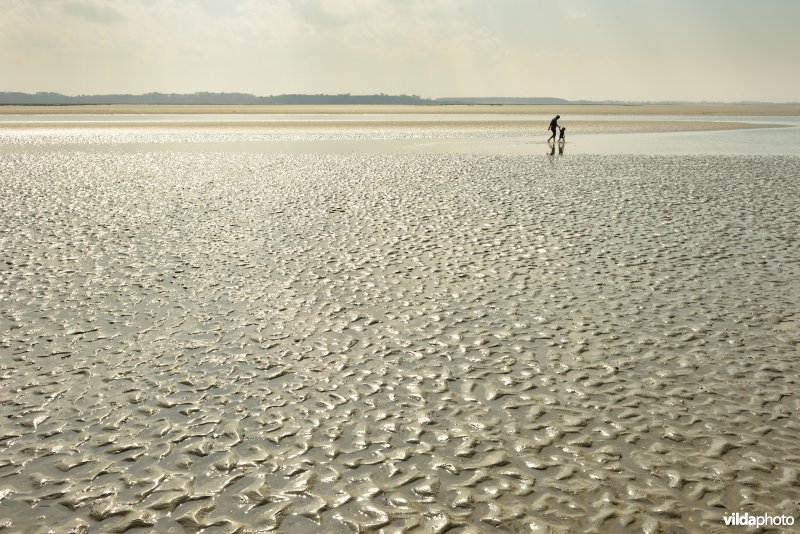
{"x":404,"y":343}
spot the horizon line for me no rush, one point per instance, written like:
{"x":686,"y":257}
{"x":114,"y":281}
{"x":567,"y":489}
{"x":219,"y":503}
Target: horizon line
{"x":411,"y":99}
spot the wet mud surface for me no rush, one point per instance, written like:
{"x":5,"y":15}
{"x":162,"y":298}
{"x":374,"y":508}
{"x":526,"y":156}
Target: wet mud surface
{"x":397,"y":343}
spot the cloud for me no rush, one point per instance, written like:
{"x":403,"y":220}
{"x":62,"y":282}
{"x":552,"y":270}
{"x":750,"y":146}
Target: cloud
{"x":572,"y":48}
{"x":92,"y":12}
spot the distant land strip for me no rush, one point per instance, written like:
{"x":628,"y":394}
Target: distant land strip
{"x":205,"y":98}
{"x":239,"y":99}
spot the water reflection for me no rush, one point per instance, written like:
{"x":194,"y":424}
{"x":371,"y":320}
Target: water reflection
{"x":374,"y":139}
{"x":552,"y":148}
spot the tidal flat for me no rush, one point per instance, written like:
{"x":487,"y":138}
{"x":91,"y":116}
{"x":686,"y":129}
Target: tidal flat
{"x":396,"y":342}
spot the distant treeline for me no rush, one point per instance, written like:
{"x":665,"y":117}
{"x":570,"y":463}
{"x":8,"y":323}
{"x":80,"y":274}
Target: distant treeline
{"x":503,"y":101}
{"x":206,"y":98}
{"x":9,"y":98}
{"x":56,"y":99}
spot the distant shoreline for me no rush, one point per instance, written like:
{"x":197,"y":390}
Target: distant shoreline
{"x":399,"y":109}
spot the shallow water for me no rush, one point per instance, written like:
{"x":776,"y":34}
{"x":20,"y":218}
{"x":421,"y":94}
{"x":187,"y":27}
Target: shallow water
{"x":417,"y":134}
{"x":338,"y":342}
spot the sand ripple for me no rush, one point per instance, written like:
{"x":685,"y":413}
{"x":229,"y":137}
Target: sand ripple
{"x":404,"y":343}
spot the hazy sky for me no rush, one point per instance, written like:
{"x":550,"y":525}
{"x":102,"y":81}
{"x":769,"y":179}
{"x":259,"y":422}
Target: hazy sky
{"x":721,"y":50}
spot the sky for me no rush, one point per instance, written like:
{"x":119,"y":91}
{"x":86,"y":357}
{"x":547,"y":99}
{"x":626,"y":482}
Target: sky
{"x":633,"y":50}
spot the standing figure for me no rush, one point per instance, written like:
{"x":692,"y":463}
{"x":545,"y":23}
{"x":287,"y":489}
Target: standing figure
{"x":562,"y":136}
{"x":553,"y":128}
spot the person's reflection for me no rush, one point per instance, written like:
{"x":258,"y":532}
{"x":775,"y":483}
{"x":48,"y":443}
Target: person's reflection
{"x":561,"y":148}
{"x":552,"y":150}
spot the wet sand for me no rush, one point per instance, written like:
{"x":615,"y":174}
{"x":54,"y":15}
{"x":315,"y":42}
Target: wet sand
{"x":443,"y":126}
{"x":241,"y":342}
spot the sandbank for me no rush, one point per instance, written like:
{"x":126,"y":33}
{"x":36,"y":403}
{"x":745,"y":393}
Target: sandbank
{"x":579,"y":126}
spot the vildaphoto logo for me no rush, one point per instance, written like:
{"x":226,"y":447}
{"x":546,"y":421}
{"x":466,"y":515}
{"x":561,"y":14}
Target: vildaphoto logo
{"x":764,"y":520}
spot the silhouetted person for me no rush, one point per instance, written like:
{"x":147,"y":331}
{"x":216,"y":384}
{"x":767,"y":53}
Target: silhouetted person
{"x":553,"y":128}
{"x":562,"y":136}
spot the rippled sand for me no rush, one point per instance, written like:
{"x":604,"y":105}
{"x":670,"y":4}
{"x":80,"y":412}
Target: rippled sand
{"x":397,"y":343}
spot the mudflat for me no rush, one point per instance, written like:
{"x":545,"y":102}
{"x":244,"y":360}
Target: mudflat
{"x":232,"y":341}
